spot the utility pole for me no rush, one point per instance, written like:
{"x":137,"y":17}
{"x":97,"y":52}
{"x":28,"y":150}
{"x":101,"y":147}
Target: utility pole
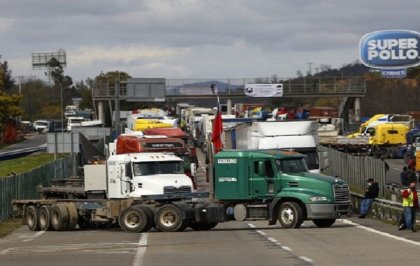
{"x":310,"y":68}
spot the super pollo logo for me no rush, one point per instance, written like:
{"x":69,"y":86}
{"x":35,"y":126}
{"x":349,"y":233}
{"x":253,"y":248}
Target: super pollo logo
{"x":390,"y":49}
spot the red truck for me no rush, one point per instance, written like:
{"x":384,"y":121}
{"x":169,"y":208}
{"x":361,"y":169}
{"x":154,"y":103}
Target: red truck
{"x":175,"y":132}
{"x":134,"y":144}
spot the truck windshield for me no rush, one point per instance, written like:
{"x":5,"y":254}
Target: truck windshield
{"x":294,"y":165}
{"x":155,"y":168}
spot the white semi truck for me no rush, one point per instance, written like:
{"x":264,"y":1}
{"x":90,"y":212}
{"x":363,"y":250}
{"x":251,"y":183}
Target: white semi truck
{"x":299,"y":136}
{"x":125,"y":189}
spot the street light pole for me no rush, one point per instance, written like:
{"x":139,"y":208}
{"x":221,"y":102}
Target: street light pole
{"x":61,"y":105}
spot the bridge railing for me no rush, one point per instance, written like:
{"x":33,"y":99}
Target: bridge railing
{"x":291,"y":86}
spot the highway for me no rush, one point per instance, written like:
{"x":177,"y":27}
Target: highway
{"x":350,"y":241}
{"x":232,"y":243}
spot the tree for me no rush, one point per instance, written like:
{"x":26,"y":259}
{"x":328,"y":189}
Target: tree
{"x":55,"y":70}
{"x":9,"y":108}
{"x":6,"y":81}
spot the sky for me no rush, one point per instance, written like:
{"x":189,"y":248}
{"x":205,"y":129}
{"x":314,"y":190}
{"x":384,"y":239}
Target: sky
{"x":195,"y":39}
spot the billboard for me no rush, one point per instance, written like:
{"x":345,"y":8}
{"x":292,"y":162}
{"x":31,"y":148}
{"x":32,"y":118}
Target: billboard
{"x":390,"y":49}
{"x":41,"y":59}
{"x":146,"y":89}
{"x":264,"y":90}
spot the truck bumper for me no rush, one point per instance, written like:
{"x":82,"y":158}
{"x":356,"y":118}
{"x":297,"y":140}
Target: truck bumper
{"x":327,"y":211}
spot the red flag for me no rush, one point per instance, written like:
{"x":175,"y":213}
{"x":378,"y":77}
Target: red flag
{"x":217,"y":132}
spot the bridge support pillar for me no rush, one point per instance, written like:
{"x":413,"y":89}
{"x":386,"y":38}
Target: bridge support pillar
{"x":357,"y":109}
{"x":101,"y":114}
{"x":229,"y":106}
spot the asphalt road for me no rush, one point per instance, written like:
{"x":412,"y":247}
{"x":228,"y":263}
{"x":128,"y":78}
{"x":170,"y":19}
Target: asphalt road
{"x":232,"y":243}
{"x":349,"y":241}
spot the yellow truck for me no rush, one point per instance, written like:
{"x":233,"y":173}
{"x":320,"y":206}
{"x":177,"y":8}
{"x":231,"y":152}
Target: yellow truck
{"x":142,"y":124}
{"x":384,"y":140}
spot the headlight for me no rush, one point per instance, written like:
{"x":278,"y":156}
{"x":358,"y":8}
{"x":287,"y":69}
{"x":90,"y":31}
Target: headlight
{"x":317,"y":198}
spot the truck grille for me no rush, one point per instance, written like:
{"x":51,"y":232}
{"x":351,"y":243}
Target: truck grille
{"x":174,"y":190}
{"x":341,"y":193}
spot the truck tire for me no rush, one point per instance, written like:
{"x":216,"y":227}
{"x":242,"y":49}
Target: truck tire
{"x":45,"y":218}
{"x":202,"y":226}
{"x":323,"y":223}
{"x":32,"y":217}
{"x":290,"y":215}
{"x":148,"y":215}
{"x":59,"y":217}
{"x":168,"y":218}
{"x":133,"y":219}
{"x":73,"y":215}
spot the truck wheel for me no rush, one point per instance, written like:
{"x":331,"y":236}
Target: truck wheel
{"x":73,"y":216}
{"x":59,"y":217}
{"x":290,"y":215}
{"x":149,"y":217}
{"x":323,"y":223}
{"x":202,"y":226}
{"x":168,"y":218}
{"x":45,"y":218}
{"x":133,"y":219}
{"x":32,"y":217}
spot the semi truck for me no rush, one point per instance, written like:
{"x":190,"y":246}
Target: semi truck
{"x":145,"y":190}
{"x":300,"y":136}
{"x":157,"y":143}
{"x":383,"y":140}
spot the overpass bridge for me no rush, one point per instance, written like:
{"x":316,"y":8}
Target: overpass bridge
{"x":234,"y":88}
{"x":159,"y":90}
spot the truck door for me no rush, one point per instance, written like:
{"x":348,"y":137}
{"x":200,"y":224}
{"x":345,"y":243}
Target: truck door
{"x":262,"y":178}
{"x":124,"y":173}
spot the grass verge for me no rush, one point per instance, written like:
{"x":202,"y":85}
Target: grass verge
{"x":24,"y":164}
{"x":9,"y":226}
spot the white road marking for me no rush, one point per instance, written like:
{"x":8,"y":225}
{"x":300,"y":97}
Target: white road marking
{"x":306,"y":259}
{"x":276,"y":242}
{"x":286,"y":248}
{"x":261,"y":232}
{"x":141,"y":250}
{"x":402,"y":239}
{"x":34,"y":236}
{"x":5,"y":251}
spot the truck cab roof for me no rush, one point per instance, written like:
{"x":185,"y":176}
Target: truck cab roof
{"x":278,"y":154}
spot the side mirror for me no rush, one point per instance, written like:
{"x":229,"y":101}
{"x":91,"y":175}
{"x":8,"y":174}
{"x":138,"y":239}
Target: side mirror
{"x":324,"y":160}
{"x":193,"y":169}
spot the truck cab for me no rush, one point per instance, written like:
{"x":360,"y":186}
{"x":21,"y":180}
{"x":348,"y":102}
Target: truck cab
{"x":139,"y":174}
{"x":276,"y":184}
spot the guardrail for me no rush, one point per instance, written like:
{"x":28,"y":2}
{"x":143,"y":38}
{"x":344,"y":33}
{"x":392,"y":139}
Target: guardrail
{"x":382,"y":209}
{"x":7,"y":155}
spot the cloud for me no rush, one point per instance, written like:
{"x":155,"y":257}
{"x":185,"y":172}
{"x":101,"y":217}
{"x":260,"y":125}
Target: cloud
{"x":121,"y":55}
{"x":196,"y":38}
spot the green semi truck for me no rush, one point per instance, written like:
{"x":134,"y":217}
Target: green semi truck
{"x":245,"y":185}
{"x":276,"y":185}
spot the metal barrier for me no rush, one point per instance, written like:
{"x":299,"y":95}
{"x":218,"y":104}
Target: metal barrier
{"x":25,"y":186}
{"x":385,"y":210}
{"x":355,"y":170}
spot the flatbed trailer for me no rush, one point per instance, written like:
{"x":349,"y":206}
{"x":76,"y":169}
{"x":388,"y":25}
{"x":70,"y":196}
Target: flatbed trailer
{"x":165,"y":212}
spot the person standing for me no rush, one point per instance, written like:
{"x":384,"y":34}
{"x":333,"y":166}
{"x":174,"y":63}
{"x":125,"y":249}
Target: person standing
{"x":404,"y":177}
{"x":410,"y":205}
{"x":371,"y":194}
